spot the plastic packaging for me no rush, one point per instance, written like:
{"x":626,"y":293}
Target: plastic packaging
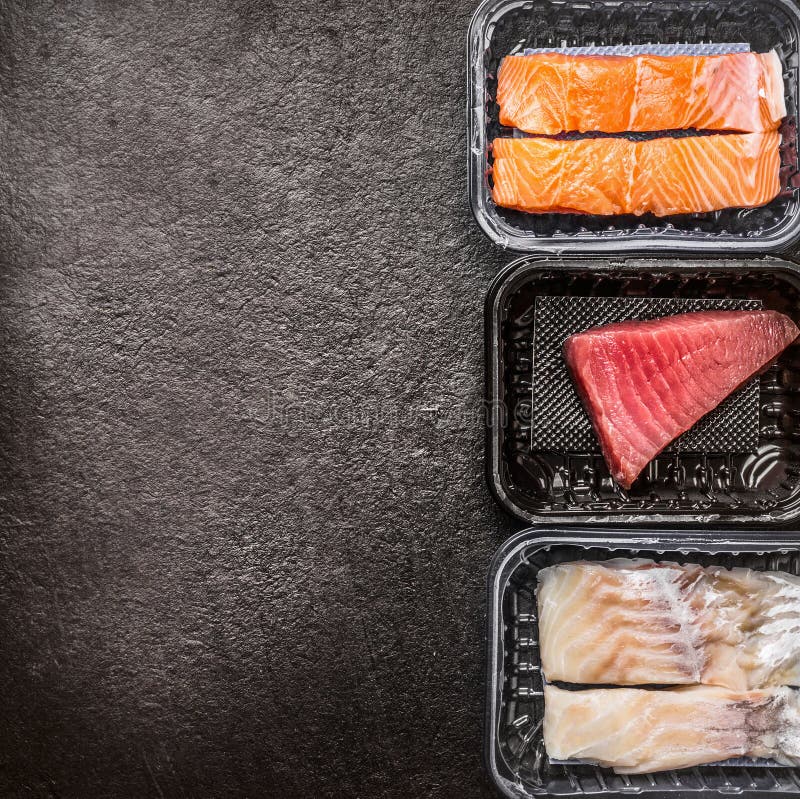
{"x":515,"y":754}
{"x":502,"y":27}
{"x":760,"y":487}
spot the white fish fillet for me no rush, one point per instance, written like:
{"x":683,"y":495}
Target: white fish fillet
{"x":636,"y":622}
{"x":636,"y":731}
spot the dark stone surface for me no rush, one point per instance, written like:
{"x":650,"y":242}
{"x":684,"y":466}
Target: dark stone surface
{"x":238,"y":556}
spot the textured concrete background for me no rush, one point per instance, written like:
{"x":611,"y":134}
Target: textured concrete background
{"x":239,"y":554}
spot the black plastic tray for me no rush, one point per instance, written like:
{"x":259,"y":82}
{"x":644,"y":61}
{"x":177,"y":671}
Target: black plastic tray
{"x":515,"y":754}
{"x":500,"y":27}
{"x":720,"y":488}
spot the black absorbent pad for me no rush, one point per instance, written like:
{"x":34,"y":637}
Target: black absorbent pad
{"x":558,"y":419}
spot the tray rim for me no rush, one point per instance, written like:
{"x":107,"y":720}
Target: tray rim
{"x":510,"y":238}
{"x":546,"y":536}
{"x":598,"y":264}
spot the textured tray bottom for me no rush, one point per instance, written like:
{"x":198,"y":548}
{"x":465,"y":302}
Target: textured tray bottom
{"x":520,"y":744}
{"x":560,"y":421}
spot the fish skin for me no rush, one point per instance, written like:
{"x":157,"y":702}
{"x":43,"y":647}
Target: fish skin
{"x":551,"y":93}
{"x":638,"y":731}
{"x":638,"y":622}
{"x":643,"y":383}
{"x":613,"y":176}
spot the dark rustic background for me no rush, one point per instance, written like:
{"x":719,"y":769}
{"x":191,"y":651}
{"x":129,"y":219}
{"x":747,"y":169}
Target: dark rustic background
{"x":244,"y":530}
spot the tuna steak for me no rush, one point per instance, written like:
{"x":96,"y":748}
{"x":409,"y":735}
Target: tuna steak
{"x":644,"y":383}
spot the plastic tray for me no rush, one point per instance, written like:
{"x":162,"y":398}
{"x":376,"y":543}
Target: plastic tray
{"x":720,"y":488}
{"x":515,"y":754}
{"x":500,"y":27}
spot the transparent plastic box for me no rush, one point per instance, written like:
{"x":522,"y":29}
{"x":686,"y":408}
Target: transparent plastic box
{"x":712,"y":487}
{"x":501,"y":27}
{"x":514,"y":747}
{"x":723,"y":507}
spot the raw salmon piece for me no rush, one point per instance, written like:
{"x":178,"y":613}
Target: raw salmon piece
{"x":637,"y":622}
{"x":550,"y":93}
{"x":644,"y":383}
{"x":617,"y":176}
{"x":635,"y":731}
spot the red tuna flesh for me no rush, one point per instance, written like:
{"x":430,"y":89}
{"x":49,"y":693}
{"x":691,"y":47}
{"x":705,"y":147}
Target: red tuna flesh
{"x":645,"y":383}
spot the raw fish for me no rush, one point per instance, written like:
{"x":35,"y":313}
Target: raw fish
{"x":548,"y":93}
{"x":637,"y":731}
{"x":636,"y":622}
{"x":611,"y":176}
{"x":644,"y":383}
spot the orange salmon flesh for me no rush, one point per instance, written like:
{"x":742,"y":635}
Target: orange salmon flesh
{"x":549,"y":93}
{"x":617,"y":176}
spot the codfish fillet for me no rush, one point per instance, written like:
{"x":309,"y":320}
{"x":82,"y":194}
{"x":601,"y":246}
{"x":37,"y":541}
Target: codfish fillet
{"x":637,"y":622}
{"x":643,"y":383}
{"x":611,"y":176}
{"x":548,"y":93}
{"x":635,"y":731}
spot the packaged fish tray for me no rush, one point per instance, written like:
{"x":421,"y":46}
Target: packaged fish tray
{"x":734,"y":717}
{"x":615,"y":172}
{"x":739,"y":465}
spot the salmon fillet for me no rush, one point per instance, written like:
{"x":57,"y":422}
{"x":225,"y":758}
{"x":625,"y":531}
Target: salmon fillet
{"x":635,"y":731}
{"x":617,"y":176}
{"x":637,"y":622}
{"x":549,"y":93}
{"x":645,"y":382}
